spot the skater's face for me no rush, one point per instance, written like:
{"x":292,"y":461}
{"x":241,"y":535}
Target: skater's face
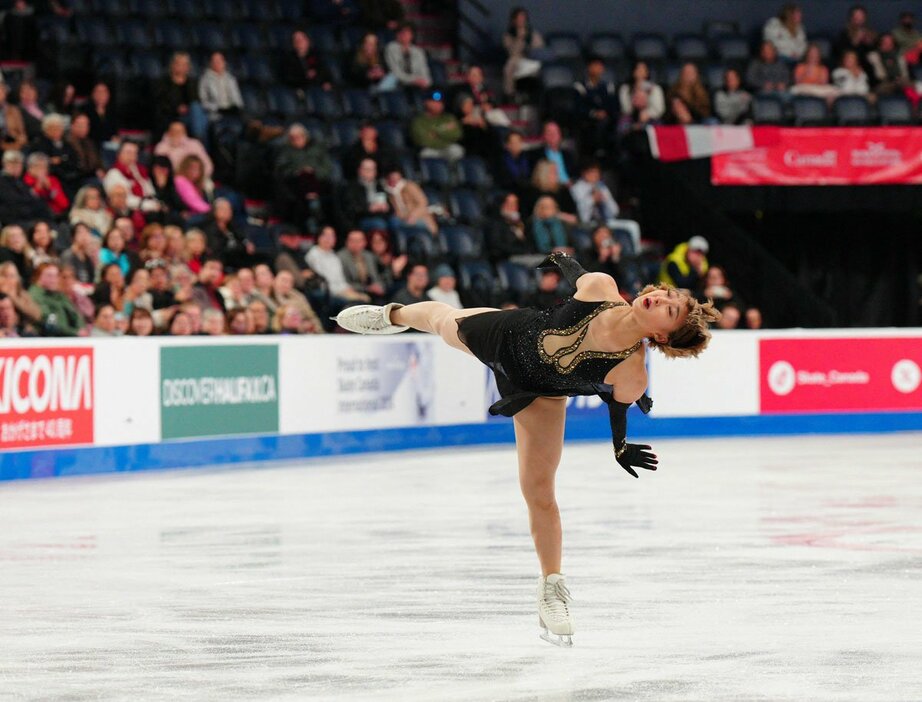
{"x":661,"y":312}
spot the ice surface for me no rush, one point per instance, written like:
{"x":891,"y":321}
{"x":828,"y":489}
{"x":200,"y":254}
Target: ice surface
{"x":769,"y":569}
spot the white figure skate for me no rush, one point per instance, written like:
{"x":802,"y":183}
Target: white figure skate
{"x":554,"y":612}
{"x":369,"y":319}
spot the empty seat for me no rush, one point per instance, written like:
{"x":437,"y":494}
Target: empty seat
{"x":113,"y":8}
{"x":253,"y":101}
{"x":649,"y":47}
{"x":290,"y":9}
{"x":416,"y":242}
{"x":767,"y":109}
{"x":713,"y":75}
{"x":690,"y":47}
{"x":146,"y":64}
{"x":407,"y":163}
{"x":111,"y":63}
{"x":395,"y":105}
{"x":720,"y":28}
{"x":391,"y":134}
{"x":324,"y":39}
{"x":133,"y":34}
{"x":210,"y":36}
{"x":671,"y":73}
{"x":94,"y":31}
{"x":345,"y":132}
{"x":582,"y":241}
{"x":557,"y":75}
{"x":474,"y":173}
{"x":435,"y":196}
{"x":225,"y":10}
{"x":809,"y":111}
{"x":150,"y":9}
{"x":283,"y":102}
{"x":172,"y":35}
{"x":435,"y":171}
{"x":247,"y":37}
{"x":607,"y":46}
{"x":477,"y":276}
{"x":191,"y":11}
{"x":894,"y":109}
{"x":438,"y":72}
{"x":358,"y":103}
{"x":517,"y":279}
{"x":732,"y":49}
{"x":564,"y":45}
{"x":258,"y":69}
{"x":324,"y":104}
{"x":852,"y":110}
{"x":466,"y":205}
{"x":462,"y":242}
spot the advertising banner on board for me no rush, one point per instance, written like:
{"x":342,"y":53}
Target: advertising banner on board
{"x":218,"y":390}
{"x":46,"y":397}
{"x":826,"y":156}
{"x":840,"y":374}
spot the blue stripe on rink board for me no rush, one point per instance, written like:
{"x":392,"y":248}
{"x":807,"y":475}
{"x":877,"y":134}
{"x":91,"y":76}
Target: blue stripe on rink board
{"x":18,"y":465}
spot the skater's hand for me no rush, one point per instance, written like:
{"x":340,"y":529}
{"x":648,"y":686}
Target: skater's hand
{"x":639,"y":455}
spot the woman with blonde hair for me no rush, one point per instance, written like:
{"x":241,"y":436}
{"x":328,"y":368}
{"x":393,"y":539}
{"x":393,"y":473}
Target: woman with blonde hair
{"x":545,"y":182}
{"x":90,"y":208}
{"x":591,"y":344}
{"x":14,"y":247}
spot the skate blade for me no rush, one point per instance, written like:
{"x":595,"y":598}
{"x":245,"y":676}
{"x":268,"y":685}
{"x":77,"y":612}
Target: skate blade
{"x":560,"y":640}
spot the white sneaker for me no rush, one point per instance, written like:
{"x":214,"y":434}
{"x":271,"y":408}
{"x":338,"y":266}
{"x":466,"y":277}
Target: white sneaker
{"x":369,"y":319}
{"x":553,"y":610}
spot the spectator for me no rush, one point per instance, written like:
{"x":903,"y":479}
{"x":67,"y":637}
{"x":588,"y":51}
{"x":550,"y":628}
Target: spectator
{"x":103,"y":123}
{"x":218,"y":90}
{"x":176,"y":97}
{"x":82,"y":255}
{"x":891,"y":75}
{"x":232,"y":293}
{"x":137,"y":293}
{"x":288,"y":320}
{"x":409,"y":202}
{"x":731,"y":102}
{"x":259,"y":314}
{"x":365,"y":198}
{"x":714,"y":286}
{"x":41,"y":239}
{"x":729,"y":317}
{"x":324,"y":261}
{"x":857,"y":36}
{"x":445,"y":286}
{"x":89,"y":209}
{"x":118,"y":195}
{"x":132,"y":246}
{"x":811,"y":77}
{"x":10,"y":326}
{"x":104,"y":324}
{"x":686,"y":265}
{"x":46,"y":187}
{"x":285,"y":294}
{"x":63,"y":98}
{"x":140,"y":323}
{"x":850,"y":78}
{"x":548,"y":294}
{"x":183,"y":284}
{"x":58,"y":315}
{"x":415,"y":289}
{"x":597,"y":108}
{"x":766,"y":74}
{"x":170,"y":204}
{"x":484,"y":99}
{"x":786,"y":33}
{"x":175,"y":244}
{"x":205,"y":292}
{"x":302,"y":67}
{"x":545,"y":182}
{"x":19,"y":32}
{"x":594,"y":201}
{"x":753,"y":318}
{"x":88,"y":162}
{"x":389,"y":265}
{"x":181,"y":324}
{"x":406,"y":61}
{"x":265,"y":285}
{"x":476,"y":137}
{"x":554,"y":152}
{"x":214,"y":323}
{"x":62,"y":158}
{"x":192,"y":186}
{"x":519,"y":41}
{"x":359,"y":267}
{"x":226,"y":240}
{"x":905,"y":34}
{"x":506,"y":237}
{"x":368,"y":69}
{"x":18,"y":202}
{"x":303,"y":171}
{"x":130,"y":174}
{"x":32,"y":112}
{"x":291,"y":256}
{"x":161,"y":287}
{"x":606,"y":256}
{"x":177,"y":145}
{"x":368,"y":146}
{"x":513,"y":170}
{"x":13,"y":135}
{"x":435,"y":132}
{"x":78,"y":293}
{"x":247,"y":283}
{"x":641,"y":100}
{"x":692,"y":92}
{"x":153,"y":243}
{"x":239,"y":322}
{"x":113,"y":251}
{"x":548,"y":229}
{"x":195,"y":249}
{"x":11,"y":285}
{"x":14,"y":247}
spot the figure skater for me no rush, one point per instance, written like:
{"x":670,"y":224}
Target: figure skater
{"x":590,"y":344}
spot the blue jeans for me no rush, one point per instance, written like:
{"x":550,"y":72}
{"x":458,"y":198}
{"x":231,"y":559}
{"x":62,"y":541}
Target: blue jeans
{"x":196,"y":121}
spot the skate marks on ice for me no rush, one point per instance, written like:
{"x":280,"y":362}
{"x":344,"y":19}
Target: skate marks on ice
{"x":771,"y":569}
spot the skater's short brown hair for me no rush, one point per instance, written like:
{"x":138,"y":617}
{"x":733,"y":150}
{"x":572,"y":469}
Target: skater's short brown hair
{"x":693,"y":336}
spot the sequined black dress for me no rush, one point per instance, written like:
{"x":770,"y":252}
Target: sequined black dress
{"x":517,"y":345}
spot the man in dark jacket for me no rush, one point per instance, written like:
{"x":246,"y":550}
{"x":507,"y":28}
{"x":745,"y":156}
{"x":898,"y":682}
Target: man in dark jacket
{"x":597,"y":107}
{"x":17,"y":201}
{"x":303,"y":68}
{"x":176,"y":97}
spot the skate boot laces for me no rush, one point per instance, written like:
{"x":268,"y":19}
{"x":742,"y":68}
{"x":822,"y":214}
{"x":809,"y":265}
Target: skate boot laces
{"x":556,"y":599}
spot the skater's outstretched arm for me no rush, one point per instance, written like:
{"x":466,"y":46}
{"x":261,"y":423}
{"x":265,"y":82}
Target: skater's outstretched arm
{"x":626,"y":454}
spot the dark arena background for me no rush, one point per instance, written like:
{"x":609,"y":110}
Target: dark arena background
{"x":209,"y":490}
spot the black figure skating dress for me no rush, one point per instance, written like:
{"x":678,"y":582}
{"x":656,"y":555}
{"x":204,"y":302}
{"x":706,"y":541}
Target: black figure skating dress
{"x":541,"y":353}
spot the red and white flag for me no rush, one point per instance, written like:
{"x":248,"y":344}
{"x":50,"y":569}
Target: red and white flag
{"x":679,"y":143}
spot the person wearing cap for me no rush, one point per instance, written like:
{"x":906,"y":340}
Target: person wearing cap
{"x":444,"y":288}
{"x":686,"y":265}
{"x":436,"y":132}
{"x":406,"y":61}
{"x":17,"y":201}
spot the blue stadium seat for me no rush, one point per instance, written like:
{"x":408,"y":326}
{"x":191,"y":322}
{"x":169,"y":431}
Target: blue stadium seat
{"x":438,"y":72}
{"x":259,"y":11}
{"x":351,"y":37}
{"x":476,"y":276}
{"x":391,"y":134}
{"x":147,"y":64}
{"x":435,"y":171}
{"x":894,"y":110}
{"x":557,"y":75}
{"x":111,"y":63}
{"x":324,"y":39}
{"x":359,"y":103}
{"x":223,"y":10}
{"x":133,"y":34}
{"x":336,"y":170}
{"x":671,"y":73}
{"x":56,"y":31}
{"x":417,"y":243}
{"x":809,"y":111}
{"x":283,"y":102}
{"x":410,"y":170}
{"x":732,"y":49}
{"x":767,"y":109}
{"x":334,"y":68}
{"x":607,"y":46}
{"x":852,"y":110}
{"x":247,"y":37}
{"x":463,"y":243}
{"x":825,"y":45}
{"x":210,"y":36}
{"x":345,"y":132}
{"x":564,"y":45}
{"x":81,"y":7}
{"x":279,"y":36}
{"x":324,"y":104}
{"x":172,"y":35}
{"x":466,"y":206}
{"x":112,"y":8}
{"x":720,"y":28}
{"x":517,"y":279}
{"x":94,"y":31}
{"x":150,"y":9}
{"x":189,"y":11}
{"x":649,"y":47}
{"x":690,"y":47}
{"x":290,"y":10}
{"x":474,"y":173}
{"x":258,"y":69}
{"x":394,"y":105}
{"x":435,"y":196}
{"x":253,"y":101}
{"x":582,"y":241}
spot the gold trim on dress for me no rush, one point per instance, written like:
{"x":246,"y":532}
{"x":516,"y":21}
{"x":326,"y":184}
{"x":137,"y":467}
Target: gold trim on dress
{"x":583,"y":328}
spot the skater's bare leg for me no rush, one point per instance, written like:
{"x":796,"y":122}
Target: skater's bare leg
{"x":436,"y":318}
{"x":539,"y":440}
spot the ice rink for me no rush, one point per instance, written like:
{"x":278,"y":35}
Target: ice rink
{"x":744,"y":569}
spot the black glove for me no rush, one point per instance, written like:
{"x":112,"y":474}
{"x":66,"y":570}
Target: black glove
{"x":569,"y":266}
{"x":635,"y":455}
{"x":645,"y":403}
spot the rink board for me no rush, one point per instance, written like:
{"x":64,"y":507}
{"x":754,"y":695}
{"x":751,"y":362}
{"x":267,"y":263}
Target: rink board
{"x":111,"y":405}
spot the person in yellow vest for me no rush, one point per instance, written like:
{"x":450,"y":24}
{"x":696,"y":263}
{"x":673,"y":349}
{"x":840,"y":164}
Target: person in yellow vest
{"x":686,"y":265}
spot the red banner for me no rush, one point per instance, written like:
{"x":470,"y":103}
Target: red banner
{"x":826,"y":156}
{"x":840,"y":375}
{"x":46,"y":397}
